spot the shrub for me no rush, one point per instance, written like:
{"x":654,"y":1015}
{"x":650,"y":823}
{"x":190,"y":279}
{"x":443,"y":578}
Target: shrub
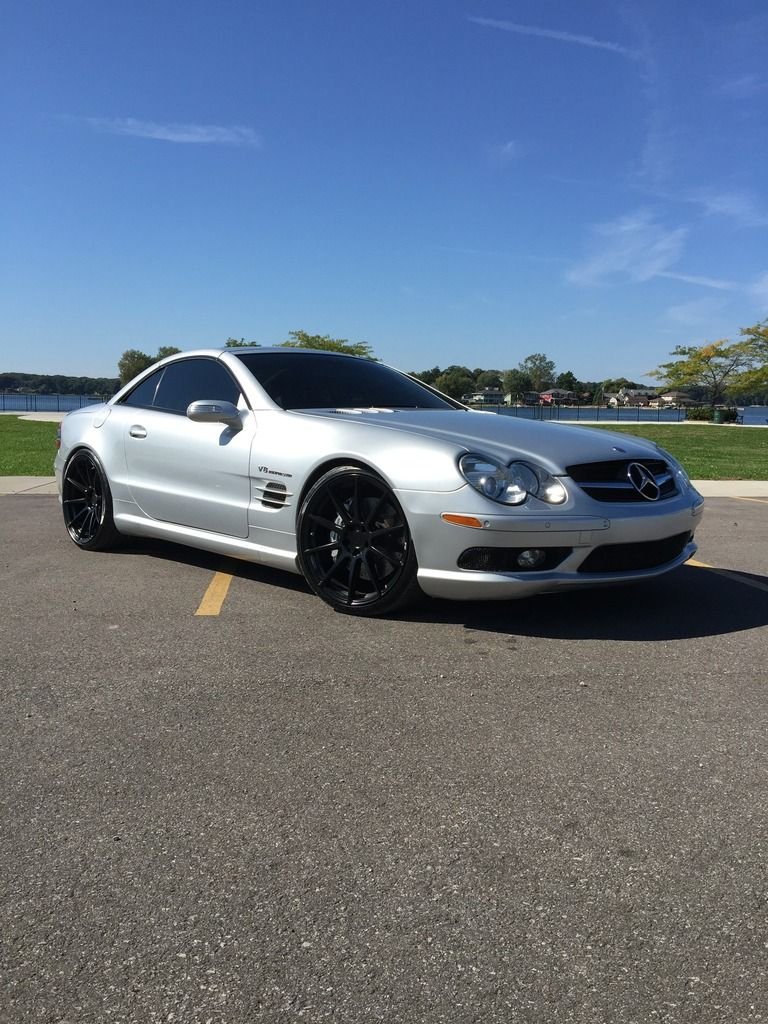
{"x":707,"y":414}
{"x":701,"y":412}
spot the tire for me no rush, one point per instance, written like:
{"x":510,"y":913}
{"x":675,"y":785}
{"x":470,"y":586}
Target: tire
{"x":87,"y":503}
{"x":354,"y":545}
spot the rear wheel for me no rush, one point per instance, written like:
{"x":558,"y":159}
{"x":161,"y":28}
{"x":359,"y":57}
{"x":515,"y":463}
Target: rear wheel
{"x":355,"y":548}
{"x":87,"y":503}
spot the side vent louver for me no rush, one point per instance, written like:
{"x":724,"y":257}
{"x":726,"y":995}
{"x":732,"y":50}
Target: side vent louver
{"x":274,"y":495}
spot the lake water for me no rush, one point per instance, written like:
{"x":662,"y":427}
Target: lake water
{"x":754,"y":415}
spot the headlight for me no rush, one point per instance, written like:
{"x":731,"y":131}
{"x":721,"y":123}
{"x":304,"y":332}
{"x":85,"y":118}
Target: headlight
{"x":678,"y":472}
{"x":512,"y":484}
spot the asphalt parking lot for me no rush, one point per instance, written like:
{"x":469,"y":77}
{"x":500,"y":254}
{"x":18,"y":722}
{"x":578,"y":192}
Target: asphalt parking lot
{"x":222,"y":802}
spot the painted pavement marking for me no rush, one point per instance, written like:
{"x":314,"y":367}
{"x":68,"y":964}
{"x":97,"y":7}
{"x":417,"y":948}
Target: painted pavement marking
{"x":215,"y":595}
{"x":729,"y":574}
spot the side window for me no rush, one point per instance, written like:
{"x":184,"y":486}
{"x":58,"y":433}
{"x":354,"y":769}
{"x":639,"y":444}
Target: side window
{"x":190,"y":380}
{"x":144,"y":395}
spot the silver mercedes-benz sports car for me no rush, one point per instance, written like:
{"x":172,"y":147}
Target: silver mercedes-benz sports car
{"x":369,"y":483}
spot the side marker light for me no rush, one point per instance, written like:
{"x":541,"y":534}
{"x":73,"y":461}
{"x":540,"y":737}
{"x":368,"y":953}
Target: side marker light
{"x":457,"y":520}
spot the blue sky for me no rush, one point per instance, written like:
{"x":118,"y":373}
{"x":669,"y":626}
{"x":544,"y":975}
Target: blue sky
{"x":452,"y":182}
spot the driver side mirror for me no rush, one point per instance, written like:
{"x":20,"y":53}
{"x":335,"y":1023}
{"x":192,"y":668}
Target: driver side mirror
{"x":213,"y":411}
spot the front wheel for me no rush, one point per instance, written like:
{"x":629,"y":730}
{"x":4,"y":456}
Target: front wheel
{"x":87,"y":503}
{"x":354,"y":545}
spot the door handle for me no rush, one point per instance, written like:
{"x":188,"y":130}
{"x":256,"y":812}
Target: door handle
{"x":137,"y":430}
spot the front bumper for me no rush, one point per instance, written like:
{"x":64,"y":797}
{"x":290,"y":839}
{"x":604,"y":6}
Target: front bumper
{"x":439,"y":545}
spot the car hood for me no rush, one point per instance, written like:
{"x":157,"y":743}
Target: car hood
{"x":554,"y":446}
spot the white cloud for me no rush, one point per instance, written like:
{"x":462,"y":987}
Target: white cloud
{"x":198,"y":134}
{"x":739,"y":206}
{"x":634,"y":247}
{"x":508,"y":151}
{"x":499,"y":253}
{"x":547,"y":33}
{"x":760,"y":290}
{"x":745,"y":87}
{"x":691,"y":314}
{"x":706,"y":282}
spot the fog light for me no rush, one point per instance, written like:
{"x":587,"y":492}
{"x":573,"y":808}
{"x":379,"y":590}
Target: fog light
{"x":554,"y":493}
{"x":530,"y":558}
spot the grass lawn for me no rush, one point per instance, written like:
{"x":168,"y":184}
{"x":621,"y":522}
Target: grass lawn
{"x":707,"y":451}
{"x":27,"y":448}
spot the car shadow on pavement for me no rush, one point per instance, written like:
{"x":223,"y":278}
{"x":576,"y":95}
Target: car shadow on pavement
{"x":170,"y":552}
{"x":690,"y":602}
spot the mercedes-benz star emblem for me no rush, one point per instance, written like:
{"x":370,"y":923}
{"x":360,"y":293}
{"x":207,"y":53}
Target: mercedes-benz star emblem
{"x":643,"y":480}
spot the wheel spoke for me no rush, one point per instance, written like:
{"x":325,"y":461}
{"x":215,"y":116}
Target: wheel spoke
{"x":330,"y":546}
{"x":340,"y":509}
{"x":387,"y":530}
{"x":89,"y":527}
{"x":353,"y":579}
{"x":372,"y":573}
{"x":337,"y":564}
{"x":355,"y":504}
{"x":375,"y":510}
{"x":322,"y":521}
{"x":396,"y":562}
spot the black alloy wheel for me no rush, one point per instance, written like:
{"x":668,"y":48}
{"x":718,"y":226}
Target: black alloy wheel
{"x":354,"y":545}
{"x":87,"y":503}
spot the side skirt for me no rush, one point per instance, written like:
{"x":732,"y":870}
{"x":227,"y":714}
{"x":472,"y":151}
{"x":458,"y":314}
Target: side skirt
{"x":234,"y":547}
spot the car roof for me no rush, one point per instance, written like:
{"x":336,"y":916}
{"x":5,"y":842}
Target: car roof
{"x":256,"y":349}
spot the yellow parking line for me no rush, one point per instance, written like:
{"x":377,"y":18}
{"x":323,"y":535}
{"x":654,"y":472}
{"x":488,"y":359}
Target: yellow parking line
{"x":736,"y":577}
{"x":760,"y":501}
{"x":214,"y":596}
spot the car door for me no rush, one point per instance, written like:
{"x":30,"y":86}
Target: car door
{"x":179,"y":471}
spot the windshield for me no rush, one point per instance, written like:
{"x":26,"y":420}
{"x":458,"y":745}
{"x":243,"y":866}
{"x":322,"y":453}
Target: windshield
{"x":320,"y":381}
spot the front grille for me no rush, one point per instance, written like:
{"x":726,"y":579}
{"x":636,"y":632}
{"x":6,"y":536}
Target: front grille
{"x":609,"y":481}
{"x":505,"y":559}
{"x":630,"y":557}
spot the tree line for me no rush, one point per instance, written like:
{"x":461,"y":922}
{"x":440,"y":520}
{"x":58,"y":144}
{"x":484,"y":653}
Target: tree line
{"x":709,"y":373}
{"x":58,"y":384}
{"x":535,"y":373}
{"x":133,"y":361}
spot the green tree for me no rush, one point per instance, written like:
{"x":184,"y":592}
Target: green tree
{"x":301,"y":339}
{"x":716,"y":367}
{"x":240,"y":343}
{"x":540,"y":369}
{"x":516,"y":383}
{"x":455,"y":381}
{"x":614,"y":384}
{"x":568,"y":382}
{"x":428,"y":376}
{"x":133,"y":361}
{"x":487,"y":379}
{"x":754,"y":380}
